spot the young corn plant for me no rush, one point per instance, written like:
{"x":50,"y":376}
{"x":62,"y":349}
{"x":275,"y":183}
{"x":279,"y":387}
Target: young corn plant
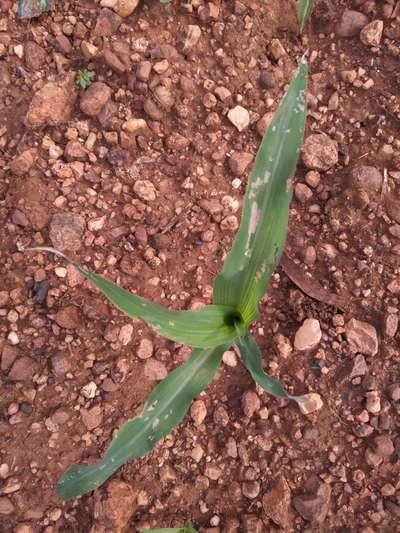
{"x":237,"y":290}
{"x":304,"y":9}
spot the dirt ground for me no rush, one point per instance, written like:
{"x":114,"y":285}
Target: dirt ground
{"x":154,"y":203}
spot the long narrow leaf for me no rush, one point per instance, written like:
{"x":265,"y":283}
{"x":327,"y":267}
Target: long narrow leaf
{"x":252,"y":360}
{"x":261,"y":236}
{"x":211,"y":326}
{"x":304,"y":9}
{"x":164,"y":409}
{"x":187,"y":528}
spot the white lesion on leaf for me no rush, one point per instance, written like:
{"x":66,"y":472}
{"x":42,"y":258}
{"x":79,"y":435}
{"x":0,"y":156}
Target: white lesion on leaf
{"x":259,"y":182}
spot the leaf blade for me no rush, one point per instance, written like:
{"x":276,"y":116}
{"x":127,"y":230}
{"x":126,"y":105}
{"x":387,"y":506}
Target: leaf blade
{"x":164,"y":409}
{"x":252,"y":360}
{"x":262,"y":232}
{"x":304,"y":9}
{"x":202,"y":329}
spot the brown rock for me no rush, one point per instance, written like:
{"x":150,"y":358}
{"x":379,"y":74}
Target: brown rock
{"x":252,"y":524}
{"x":8,"y":356}
{"x":52,"y":104}
{"x":75,"y":151}
{"x":24,"y":528}
{"x":164,"y":96}
{"x":362,"y":337}
{"x":383,"y":446}
{"x":250,"y":403}
{"x":68,"y":317}
{"x":106,"y":117}
{"x":351,"y":23}
{"x":66,"y":232}
{"x":371,"y":34}
{"x":92,"y":418}
{"x":198,"y":412}
{"x":320,"y":152}
{"x":314,"y":506}
{"x":107,"y":23}
{"x":193,"y":34}
{"x":60,"y":364}
{"x":23,"y":163}
{"x":239,"y":161}
{"x":302,"y":193}
{"x":113,"y":61}
{"x":113,"y":511}
{"x":6,"y":506}
{"x":124,"y":8}
{"x":177,"y":142}
{"x":35,"y":56}
{"x":143,"y":70}
{"x":152,"y":109}
{"x":23,"y":369}
{"x":367,"y":178}
{"x":391,"y":324}
{"x":276,"y":503}
{"x":95,"y":98}
{"x":64,"y":44}
{"x":155,"y":370}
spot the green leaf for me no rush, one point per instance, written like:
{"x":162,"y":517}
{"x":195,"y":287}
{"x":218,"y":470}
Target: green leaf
{"x":252,"y":360}
{"x":304,"y":9}
{"x":261,"y":236}
{"x":187,"y":528}
{"x":211,"y":326}
{"x":163,"y":410}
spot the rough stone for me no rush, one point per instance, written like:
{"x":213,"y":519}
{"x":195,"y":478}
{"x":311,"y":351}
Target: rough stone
{"x":66,"y":231}
{"x":68,"y":317}
{"x":124,"y":8}
{"x":250,"y":403}
{"x":320,"y":152}
{"x":276,"y":503}
{"x":362,"y":337}
{"x":8,"y":356}
{"x":113,"y":507}
{"x":60,"y":364}
{"x":351,"y":23}
{"x":23,"y":369}
{"x":308,"y":335}
{"x":239,"y":162}
{"x":311,"y":402}
{"x":198,"y":412}
{"x":359,"y":367}
{"x":193,"y":34}
{"x":240,"y":117}
{"x":95,"y":98}
{"x":35,"y":56}
{"x":145,"y":350}
{"x":383,"y":446}
{"x":367,"y":178}
{"x":371,"y":34}
{"x":52,"y":105}
{"x":145,"y":190}
{"x":92,"y":418}
{"x":107,"y":23}
{"x":314,"y":506}
{"x":23,"y":163}
{"x":6,"y":506}
{"x":390,"y":325}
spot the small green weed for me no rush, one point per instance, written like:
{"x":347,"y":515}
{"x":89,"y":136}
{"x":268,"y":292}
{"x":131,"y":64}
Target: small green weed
{"x":84,"y":78}
{"x":237,"y":291}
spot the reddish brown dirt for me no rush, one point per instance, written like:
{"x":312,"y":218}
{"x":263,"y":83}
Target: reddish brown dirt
{"x":169,"y":249}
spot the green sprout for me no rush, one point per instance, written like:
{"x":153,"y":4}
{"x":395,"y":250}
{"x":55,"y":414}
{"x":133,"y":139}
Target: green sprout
{"x":304,"y":9}
{"x":187,"y":528}
{"x":238,"y":289}
{"x":84,"y":78}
